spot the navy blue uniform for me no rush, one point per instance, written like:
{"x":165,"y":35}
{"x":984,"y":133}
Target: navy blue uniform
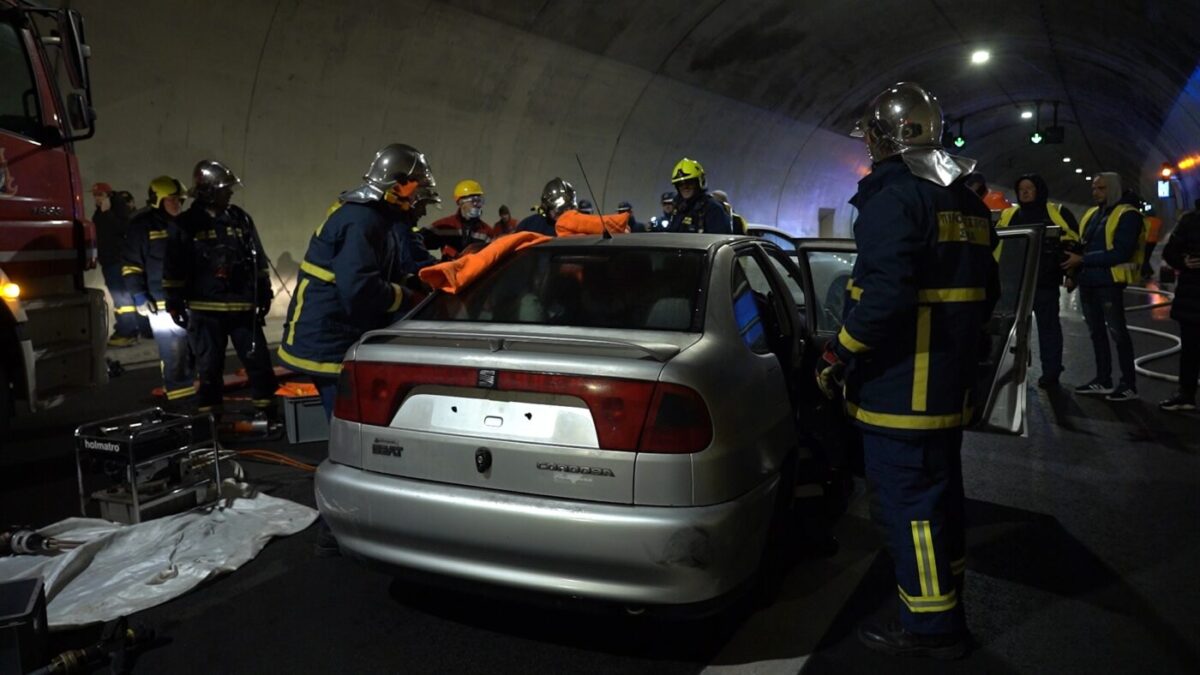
{"x":701,"y":213}
{"x":218,"y":271}
{"x":923,"y":286}
{"x":539,"y":223}
{"x":143,"y":258}
{"x":348,"y":285}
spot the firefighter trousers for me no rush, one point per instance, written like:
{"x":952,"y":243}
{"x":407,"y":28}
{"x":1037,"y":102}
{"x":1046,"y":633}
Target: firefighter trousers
{"x":917,"y":501}
{"x":210,"y":332}
{"x":175,"y":358}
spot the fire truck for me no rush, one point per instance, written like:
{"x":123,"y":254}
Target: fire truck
{"x":52,"y":328}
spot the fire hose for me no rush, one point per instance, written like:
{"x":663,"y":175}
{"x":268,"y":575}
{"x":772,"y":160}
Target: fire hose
{"x":1161,"y":354}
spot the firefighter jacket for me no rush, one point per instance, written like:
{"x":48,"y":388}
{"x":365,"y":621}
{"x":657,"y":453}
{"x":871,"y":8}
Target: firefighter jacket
{"x":1114,"y":246}
{"x":448,"y":237}
{"x":144,"y":253}
{"x":702,"y":213}
{"x":539,"y":223}
{"x":218,"y":264}
{"x":923,"y":286}
{"x":111,"y":228}
{"x":348,"y":285}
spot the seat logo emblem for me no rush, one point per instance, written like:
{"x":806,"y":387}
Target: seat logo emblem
{"x":486,"y":379}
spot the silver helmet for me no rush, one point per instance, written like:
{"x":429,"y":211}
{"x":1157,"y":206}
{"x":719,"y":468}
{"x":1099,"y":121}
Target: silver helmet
{"x":557,"y":196}
{"x":210,"y":176}
{"x":394,"y":163}
{"x":906,"y":120}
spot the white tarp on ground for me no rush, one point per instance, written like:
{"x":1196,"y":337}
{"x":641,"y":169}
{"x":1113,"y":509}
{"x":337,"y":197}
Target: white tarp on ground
{"x":121,"y":569}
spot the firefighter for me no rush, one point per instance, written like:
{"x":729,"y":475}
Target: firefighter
{"x":695,"y":209}
{"x":143,"y":255}
{"x":739,"y":223}
{"x":461,"y":231}
{"x":558,"y":196}
{"x":111,"y":218}
{"x":924,"y":285}
{"x":218,"y":288}
{"x":351,"y":279}
{"x":660,"y":223}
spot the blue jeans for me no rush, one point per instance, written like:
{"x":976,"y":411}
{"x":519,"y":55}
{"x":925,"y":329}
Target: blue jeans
{"x":917,"y":500}
{"x":1104,"y":312}
{"x":1049,"y":328}
{"x":128,"y":323}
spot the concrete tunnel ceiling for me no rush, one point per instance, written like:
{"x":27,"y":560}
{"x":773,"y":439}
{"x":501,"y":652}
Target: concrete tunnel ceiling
{"x":297,"y":94}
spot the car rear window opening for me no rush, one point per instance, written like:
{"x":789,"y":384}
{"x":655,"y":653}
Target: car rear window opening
{"x":627,"y":288}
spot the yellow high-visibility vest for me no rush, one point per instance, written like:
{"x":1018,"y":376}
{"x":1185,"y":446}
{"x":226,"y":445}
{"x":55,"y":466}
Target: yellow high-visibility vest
{"x":1126,"y":272}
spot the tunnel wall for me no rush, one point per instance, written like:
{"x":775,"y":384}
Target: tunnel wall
{"x":296,"y":95}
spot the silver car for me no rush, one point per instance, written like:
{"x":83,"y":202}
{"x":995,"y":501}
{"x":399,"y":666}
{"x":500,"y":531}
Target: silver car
{"x":615,"y":419}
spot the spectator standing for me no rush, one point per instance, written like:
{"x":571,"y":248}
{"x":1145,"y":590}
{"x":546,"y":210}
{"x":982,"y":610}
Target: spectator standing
{"x":1113,"y":240}
{"x":1034,"y":208}
{"x":506,"y":225}
{"x":1183,"y":253}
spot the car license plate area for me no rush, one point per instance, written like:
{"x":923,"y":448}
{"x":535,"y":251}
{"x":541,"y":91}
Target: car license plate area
{"x":514,"y":416}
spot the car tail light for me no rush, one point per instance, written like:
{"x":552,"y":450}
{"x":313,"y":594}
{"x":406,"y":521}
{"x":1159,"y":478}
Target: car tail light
{"x":630,"y":415}
{"x":678,"y":421}
{"x":618,"y":407}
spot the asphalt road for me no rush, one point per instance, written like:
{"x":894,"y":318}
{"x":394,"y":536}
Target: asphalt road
{"x":1082,"y":558}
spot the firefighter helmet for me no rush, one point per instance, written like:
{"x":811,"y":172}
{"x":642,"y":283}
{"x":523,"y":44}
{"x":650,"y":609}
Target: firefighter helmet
{"x":688,"y":169}
{"x":906,"y":120}
{"x":467,"y":188}
{"x":394,"y":163}
{"x":557,"y":196}
{"x":210,"y":176}
{"x":163,"y":187}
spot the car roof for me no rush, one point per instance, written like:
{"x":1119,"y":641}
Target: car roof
{"x":699,"y":242}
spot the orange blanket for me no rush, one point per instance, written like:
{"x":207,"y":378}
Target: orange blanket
{"x":574,"y":222}
{"x":448,"y":277}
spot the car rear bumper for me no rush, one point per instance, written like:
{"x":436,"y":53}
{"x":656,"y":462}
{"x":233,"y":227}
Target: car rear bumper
{"x":617,"y":553}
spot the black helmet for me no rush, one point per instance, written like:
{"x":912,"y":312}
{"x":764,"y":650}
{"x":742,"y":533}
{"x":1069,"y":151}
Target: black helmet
{"x":557,"y":196}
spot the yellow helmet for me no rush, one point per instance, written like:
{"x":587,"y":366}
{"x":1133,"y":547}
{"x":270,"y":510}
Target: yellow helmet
{"x":467,"y":188}
{"x":163,"y":187}
{"x":688,"y":169}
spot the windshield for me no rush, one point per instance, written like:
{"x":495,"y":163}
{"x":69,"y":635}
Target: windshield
{"x":591,"y":287}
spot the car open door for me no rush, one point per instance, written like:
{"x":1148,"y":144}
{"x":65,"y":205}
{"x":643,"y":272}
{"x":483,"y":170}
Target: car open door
{"x":1004,"y":368}
{"x":1000,"y":394}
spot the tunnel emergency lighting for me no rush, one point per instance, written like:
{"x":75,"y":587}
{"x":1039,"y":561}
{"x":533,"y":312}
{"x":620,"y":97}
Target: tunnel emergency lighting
{"x":959,"y":141}
{"x":1066,"y":160}
{"x":980,"y":56}
{"x":1035,"y":138}
{"x":1027,"y":115}
{"x":10,"y":291}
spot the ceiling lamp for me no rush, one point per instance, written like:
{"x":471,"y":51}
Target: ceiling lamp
{"x":980,"y":56}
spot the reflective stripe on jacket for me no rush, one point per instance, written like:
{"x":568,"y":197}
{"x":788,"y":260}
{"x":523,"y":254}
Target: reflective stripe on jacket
{"x":346,"y":287}
{"x":923,"y":286}
{"x":1123,"y":249}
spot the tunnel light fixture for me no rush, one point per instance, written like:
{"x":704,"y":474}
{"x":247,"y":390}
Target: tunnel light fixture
{"x":1079,"y":170}
{"x":1166,"y":170}
{"x":980,"y":56}
{"x":10,"y":291}
{"x":1026,"y":114}
{"x":1087,"y":178}
{"x":1066,"y":160}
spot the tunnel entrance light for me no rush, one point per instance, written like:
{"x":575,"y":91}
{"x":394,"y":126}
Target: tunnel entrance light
{"x":980,"y":56}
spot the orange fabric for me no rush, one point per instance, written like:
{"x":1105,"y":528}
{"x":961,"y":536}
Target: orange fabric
{"x":297,"y":390}
{"x":996,"y":201}
{"x":448,"y":277}
{"x":574,"y":222}
{"x":1155,"y":229}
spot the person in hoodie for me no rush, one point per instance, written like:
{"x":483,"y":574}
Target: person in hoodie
{"x":1033,"y":208}
{"x":1113,"y":240}
{"x":695,"y":209}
